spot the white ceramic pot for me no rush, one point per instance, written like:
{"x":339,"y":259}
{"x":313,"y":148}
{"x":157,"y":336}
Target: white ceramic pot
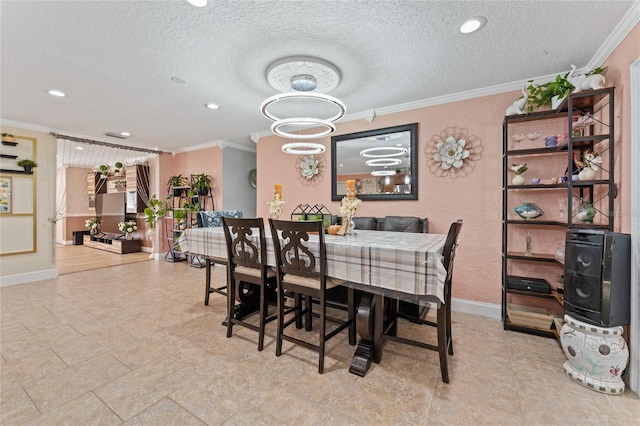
{"x":517,"y":180}
{"x":596,"y":356}
{"x":587,"y":174}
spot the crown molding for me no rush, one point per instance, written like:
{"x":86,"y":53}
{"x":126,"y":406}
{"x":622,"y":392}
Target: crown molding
{"x":627,"y":23}
{"x":28,"y":126}
{"x":219,"y":143}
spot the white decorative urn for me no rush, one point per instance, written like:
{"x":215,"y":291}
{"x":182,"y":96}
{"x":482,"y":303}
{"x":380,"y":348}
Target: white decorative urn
{"x":596,"y":356}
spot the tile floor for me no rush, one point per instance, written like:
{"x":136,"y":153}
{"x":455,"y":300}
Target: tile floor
{"x":134,"y":344}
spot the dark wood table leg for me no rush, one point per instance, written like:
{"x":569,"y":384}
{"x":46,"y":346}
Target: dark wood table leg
{"x":365,"y":321}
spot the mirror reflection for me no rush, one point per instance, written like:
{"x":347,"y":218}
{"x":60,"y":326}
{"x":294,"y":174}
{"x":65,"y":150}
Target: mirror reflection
{"x":382,"y":162}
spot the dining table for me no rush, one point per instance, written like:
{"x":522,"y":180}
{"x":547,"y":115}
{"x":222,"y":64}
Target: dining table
{"x":382,"y":264}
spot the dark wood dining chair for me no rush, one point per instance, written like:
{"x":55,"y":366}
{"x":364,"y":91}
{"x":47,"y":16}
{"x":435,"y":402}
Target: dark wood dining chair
{"x":404,"y":224}
{"x":443,"y":314}
{"x":247,"y":263}
{"x":301,"y":269}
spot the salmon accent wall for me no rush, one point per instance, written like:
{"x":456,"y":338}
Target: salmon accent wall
{"x":207,"y":160}
{"x":475,"y":198}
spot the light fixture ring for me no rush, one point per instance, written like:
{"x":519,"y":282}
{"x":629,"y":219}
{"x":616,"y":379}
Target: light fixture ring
{"x":383,"y":162}
{"x":264,"y":108}
{"x":303,"y":148}
{"x":303,"y":122}
{"x":383,"y":173}
{"x":395,"y":151}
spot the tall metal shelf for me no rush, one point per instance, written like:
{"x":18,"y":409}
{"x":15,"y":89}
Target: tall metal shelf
{"x":601,"y":191}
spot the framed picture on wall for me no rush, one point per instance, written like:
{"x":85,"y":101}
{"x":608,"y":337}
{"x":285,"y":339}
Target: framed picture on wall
{"x":5,"y":195}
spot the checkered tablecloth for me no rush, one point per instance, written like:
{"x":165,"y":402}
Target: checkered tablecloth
{"x":405,"y":262}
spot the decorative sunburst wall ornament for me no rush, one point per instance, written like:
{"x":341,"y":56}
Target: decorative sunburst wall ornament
{"x":311,"y":169}
{"x":453,"y":152}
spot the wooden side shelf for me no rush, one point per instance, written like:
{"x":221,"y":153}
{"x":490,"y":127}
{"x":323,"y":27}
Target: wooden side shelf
{"x":113,"y":245}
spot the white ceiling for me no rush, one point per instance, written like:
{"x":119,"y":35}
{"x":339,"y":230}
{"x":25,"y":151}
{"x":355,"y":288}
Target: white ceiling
{"x":115,"y":59}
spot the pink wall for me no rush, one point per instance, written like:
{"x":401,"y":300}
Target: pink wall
{"x":208,"y":161}
{"x":475,"y":198}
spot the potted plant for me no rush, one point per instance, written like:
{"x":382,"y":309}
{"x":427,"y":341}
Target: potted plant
{"x":178,"y":182}
{"x":117,"y":168}
{"x":154,"y":211}
{"x":549,"y":93}
{"x":180,"y":216}
{"x":8,"y":139}
{"x":104,"y":170}
{"x":202,"y":183}
{"x":27,"y":165}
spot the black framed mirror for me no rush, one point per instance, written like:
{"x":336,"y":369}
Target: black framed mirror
{"x":383,"y":163}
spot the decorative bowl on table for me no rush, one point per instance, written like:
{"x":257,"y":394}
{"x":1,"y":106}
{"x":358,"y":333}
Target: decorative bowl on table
{"x":528,"y":211}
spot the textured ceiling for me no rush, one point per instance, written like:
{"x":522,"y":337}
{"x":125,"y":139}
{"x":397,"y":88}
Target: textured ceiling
{"x":115,"y":59}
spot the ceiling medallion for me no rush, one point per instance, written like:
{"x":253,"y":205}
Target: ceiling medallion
{"x":281,"y":72}
{"x":303,"y":148}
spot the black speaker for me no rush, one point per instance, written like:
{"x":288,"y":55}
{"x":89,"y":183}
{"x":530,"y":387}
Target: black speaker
{"x":597,"y":277}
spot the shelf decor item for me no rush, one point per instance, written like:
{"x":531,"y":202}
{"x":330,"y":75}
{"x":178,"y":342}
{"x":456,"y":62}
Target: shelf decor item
{"x":93,"y":225}
{"x":518,"y":170}
{"x":586,"y":213}
{"x":27,"y":165}
{"x":201,"y":183}
{"x":348,"y":207}
{"x":528,"y":211}
{"x":8,"y":139}
{"x":276,"y":204}
{"x":128,"y":228}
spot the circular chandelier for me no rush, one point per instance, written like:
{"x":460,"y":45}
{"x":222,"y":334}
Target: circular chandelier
{"x":303,"y":148}
{"x":303,"y":79}
{"x":384,"y":151}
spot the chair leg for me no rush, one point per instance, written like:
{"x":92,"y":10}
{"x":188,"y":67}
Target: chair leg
{"x":442,"y":343}
{"x":323,"y":338}
{"x":351,"y":306}
{"x":280,"y":320}
{"x":230,"y":305}
{"x":262,"y":314}
{"x":308,"y":325}
{"x":298,"y":311}
{"x":449,"y":336}
{"x":207,"y":280}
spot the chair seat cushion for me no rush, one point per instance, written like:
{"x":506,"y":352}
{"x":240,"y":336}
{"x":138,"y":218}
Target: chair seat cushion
{"x":254,"y":272}
{"x":311,"y":282}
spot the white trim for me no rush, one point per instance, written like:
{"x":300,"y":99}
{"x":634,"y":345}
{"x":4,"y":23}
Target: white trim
{"x":28,"y":277}
{"x":633,"y":373}
{"x":222,"y":144}
{"x":479,"y":308}
{"x":626,"y":24}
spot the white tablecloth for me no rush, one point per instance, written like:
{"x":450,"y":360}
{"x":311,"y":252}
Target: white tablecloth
{"x":410,"y":263}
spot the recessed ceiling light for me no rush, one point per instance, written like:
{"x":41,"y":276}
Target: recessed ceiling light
{"x":178,"y":80}
{"x":125,"y":134}
{"x":212,"y":106}
{"x":473,"y":24}
{"x":197,"y":3}
{"x":56,"y":93}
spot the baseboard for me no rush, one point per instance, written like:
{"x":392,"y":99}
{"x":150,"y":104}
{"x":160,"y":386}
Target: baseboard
{"x":28,"y":277}
{"x":479,"y":308}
